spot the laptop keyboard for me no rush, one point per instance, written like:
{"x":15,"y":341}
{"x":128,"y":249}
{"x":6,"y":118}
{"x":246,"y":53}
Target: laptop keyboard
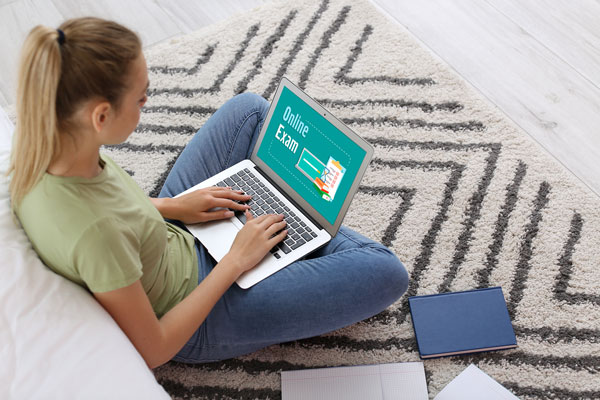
{"x":264,"y":201}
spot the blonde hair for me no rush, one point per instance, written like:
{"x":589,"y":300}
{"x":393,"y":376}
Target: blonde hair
{"x":54,"y":79}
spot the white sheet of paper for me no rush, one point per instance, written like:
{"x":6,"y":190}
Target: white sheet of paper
{"x":395,"y":381}
{"x":474,"y":384}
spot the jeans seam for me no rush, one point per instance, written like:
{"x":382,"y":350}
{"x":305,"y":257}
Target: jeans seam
{"x":362,"y":245}
{"x":373,"y":246}
{"x":235,"y":137}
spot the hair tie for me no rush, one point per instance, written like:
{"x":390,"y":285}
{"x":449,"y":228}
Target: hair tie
{"x":61,"y":37}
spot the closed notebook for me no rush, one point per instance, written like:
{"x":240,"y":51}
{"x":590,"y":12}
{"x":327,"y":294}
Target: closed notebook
{"x":455,"y":323}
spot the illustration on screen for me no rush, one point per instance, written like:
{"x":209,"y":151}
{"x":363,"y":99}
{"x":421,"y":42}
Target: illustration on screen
{"x":326,"y":178}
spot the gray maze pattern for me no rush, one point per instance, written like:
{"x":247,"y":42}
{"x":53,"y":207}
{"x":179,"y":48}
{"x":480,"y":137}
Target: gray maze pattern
{"x":246,"y":70}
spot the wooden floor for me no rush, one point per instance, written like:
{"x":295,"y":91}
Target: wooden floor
{"x":154,"y":20}
{"x":537,"y":60}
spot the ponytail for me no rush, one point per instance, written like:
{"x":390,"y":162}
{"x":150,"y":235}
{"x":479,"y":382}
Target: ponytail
{"x":36,"y":134}
{"x":60,"y":69}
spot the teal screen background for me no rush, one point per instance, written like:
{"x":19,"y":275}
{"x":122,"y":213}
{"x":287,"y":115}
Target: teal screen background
{"x":323,"y":140}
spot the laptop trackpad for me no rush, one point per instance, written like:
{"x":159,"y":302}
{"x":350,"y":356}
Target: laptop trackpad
{"x":216,"y":236}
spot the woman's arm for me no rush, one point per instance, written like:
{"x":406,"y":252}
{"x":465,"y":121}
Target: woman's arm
{"x":196,"y":206}
{"x":159,"y":340}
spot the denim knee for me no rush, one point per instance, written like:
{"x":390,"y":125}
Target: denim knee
{"x":251,"y":101}
{"x":391,"y":273}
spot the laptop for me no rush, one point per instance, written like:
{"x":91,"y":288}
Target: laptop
{"x":306,"y":165}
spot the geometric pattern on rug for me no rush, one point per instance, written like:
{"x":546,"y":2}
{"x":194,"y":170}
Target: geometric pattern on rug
{"x":462,"y":196}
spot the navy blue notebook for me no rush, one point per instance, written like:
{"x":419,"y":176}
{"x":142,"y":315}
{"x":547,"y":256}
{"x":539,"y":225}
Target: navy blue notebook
{"x":454,"y":323}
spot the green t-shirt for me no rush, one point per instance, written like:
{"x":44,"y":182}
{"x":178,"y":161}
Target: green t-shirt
{"x":104,"y":233}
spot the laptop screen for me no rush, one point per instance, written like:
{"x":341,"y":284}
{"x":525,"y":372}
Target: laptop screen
{"x":309,"y":153}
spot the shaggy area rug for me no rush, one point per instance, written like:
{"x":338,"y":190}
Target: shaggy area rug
{"x":462,"y":196}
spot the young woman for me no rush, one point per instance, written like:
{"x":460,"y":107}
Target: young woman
{"x":82,"y":86}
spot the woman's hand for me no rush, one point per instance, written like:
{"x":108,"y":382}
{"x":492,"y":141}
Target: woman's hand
{"x":255,"y":239}
{"x":197,"y":206}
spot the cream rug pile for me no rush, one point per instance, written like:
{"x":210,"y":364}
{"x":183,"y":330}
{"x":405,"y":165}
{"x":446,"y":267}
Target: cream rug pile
{"x":463,"y":197}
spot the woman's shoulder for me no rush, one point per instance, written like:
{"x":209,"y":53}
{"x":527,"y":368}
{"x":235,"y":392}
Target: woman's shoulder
{"x":53,"y":197}
{"x":63,"y":206}
{"x":69,"y":196}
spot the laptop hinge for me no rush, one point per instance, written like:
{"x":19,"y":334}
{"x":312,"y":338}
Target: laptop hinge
{"x":310,"y":218}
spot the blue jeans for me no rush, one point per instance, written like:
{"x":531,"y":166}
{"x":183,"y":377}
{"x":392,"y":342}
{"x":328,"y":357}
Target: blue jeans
{"x":349,"y":279}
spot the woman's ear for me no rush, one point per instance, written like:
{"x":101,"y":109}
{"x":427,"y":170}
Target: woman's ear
{"x":100,"y":115}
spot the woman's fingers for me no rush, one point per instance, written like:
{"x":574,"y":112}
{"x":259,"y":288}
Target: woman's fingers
{"x":216,"y":215}
{"x":227,"y":198}
{"x":279,"y":237}
{"x":215,"y":188}
{"x":256,"y":220}
{"x":268,"y":220}
{"x":275,"y":227}
{"x":226,"y":203}
{"x":229,"y":193}
{"x":263,"y":222}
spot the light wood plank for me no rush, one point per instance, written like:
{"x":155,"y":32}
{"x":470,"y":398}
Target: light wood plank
{"x":151,"y":20}
{"x":17,"y":19}
{"x":194,"y":15}
{"x":569,"y":29}
{"x":543,"y":94}
{"x":142,"y":16}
